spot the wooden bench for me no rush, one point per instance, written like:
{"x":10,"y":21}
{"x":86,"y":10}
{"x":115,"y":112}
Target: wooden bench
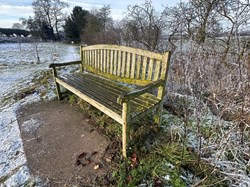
{"x":118,"y":81}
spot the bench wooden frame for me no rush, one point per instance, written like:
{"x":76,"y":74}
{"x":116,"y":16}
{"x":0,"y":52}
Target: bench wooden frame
{"x":110,"y":65}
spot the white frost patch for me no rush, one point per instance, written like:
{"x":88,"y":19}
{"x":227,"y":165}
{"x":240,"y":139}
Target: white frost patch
{"x":166,"y":177}
{"x":12,"y":154}
{"x":224,"y":142}
{"x":30,"y":125}
{"x":19,"y":178}
{"x":30,"y":99}
{"x":11,"y":148}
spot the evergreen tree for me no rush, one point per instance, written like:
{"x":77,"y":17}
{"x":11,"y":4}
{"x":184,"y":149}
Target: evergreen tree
{"x":75,"y":24}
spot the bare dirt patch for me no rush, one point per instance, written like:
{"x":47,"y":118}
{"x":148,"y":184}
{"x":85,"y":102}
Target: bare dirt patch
{"x":62,"y":145}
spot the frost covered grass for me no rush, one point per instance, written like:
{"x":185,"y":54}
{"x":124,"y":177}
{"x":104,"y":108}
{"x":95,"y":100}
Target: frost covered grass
{"x":212,"y":100}
{"x":217,"y":144}
{"x":178,"y":154}
{"x":159,"y":157}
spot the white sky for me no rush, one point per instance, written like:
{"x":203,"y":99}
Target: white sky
{"x":12,"y":10}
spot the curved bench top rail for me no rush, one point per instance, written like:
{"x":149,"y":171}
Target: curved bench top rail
{"x":137,"y":51}
{"x":125,"y":64}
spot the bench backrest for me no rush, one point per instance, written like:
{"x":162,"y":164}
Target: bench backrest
{"x":125,"y":64}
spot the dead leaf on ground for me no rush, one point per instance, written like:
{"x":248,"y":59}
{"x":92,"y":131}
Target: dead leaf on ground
{"x":85,"y":158}
{"x":134,"y":160}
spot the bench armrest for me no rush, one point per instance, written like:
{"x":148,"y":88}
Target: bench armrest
{"x":53,"y":65}
{"x":126,"y":96}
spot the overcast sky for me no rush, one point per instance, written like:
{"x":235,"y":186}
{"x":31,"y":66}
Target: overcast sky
{"x":12,"y":10}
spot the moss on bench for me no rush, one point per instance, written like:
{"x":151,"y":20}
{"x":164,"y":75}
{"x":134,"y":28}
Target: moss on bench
{"x":108,"y":71}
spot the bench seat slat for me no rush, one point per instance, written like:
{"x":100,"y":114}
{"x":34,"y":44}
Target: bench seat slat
{"x":138,"y":105}
{"x":101,"y":91}
{"x":100,"y":97}
{"x":91,"y":100}
{"x":118,"y":88}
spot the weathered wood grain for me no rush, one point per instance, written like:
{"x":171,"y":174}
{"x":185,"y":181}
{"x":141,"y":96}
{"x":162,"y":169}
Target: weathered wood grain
{"x":144,"y":68}
{"x":138,"y":67}
{"x":150,"y":69}
{"x":133,"y":66}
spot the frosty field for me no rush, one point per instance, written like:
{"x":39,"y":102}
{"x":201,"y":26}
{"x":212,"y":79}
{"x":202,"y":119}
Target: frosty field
{"x":19,"y":64}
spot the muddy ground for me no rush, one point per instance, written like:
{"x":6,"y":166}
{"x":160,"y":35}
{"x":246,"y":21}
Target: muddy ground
{"x":64,"y":147}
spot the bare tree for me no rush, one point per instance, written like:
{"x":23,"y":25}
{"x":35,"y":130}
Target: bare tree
{"x":17,"y":26}
{"x":143,"y":26}
{"x":58,"y":16}
{"x":236,"y":17}
{"x":48,"y":18}
{"x":205,"y":18}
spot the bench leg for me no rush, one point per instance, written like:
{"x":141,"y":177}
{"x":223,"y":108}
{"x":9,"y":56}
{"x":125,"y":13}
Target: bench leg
{"x":158,"y":115}
{"x":158,"y":112}
{"x":58,"y":91}
{"x":125,"y":126}
{"x":124,"y":140}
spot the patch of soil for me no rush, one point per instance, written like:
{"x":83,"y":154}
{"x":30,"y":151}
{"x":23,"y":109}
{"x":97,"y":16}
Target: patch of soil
{"x":62,"y":145}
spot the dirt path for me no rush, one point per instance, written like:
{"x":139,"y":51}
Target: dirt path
{"x":62,"y":145}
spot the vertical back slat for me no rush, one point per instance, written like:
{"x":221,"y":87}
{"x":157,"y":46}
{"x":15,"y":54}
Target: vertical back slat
{"x":97,"y":58}
{"x":108,"y":61}
{"x":115,"y":62}
{"x":87,"y":57}
{"x":104,"y":62}
{"x":138,"y":66}
{"x":128,"y":65}
{"x":144,"y":68}
{"x":150,"y":69}
{"x":157,"y":70}
{"x":133,"y":66}
{"x":94,"y":59}
{"x":111,"y":67}
{"x":165,"y":65}
{"x":83,"y":57}
{"x":119,"y":61}
{"x":90,"y":59}
{"x":123,"y":63}
{"x":101,"y":59}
